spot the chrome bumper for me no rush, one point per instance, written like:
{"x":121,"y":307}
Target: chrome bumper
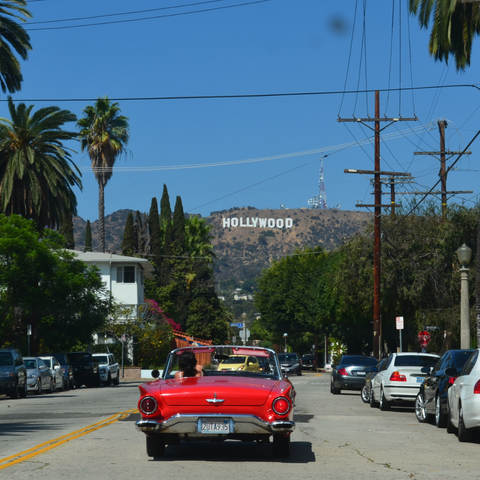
{"x":242,"y":424}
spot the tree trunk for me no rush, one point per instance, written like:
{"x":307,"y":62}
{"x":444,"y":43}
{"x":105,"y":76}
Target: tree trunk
{"x":101,"y":215}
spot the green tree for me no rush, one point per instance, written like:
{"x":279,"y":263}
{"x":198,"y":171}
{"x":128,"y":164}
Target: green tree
{"x":155,"y":235}
{"x":104,"y":135}
{"x":128,"y":242}
{"x":88,"y":237}
{"x":36,"y":171}
{"x":13,"y":38}
{"x":455,"y":24}
{"x":198,"y":237}
{"x":178,"y":228}
{"x":66,"y":230}
{"x":165,"y":209}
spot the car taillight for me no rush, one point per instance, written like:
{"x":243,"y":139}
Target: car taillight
{"x":451,"y":381}
{"x":343,"y":372}
{"x":476,"y":388}
{"x":148,"y":405}
{"x":281,"y":405}
{"x":396,"y":377}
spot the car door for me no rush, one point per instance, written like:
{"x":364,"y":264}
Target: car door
{"x":378,"y":379}
{"x":430,"y":384}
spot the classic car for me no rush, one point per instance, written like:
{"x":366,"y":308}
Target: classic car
{"x":218,"y":404}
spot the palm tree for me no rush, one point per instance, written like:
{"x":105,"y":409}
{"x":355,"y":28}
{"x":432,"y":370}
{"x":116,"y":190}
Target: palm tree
{"x":455,"y":23}
{"x":198,"y":237}
{"x":12,"y":36}
{"x":36,"y":172}
{"x":104,"y":134}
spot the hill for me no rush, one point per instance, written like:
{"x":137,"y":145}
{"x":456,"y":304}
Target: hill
{"x":246,"y":240}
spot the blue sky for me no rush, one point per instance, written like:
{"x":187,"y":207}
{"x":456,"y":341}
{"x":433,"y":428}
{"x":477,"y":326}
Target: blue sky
{"x":241,"y":47}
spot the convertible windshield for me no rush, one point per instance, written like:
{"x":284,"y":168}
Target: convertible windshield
{"x":241,"y":361}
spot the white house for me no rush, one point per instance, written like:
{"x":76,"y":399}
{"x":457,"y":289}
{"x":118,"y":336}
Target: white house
{"x":123,"y":276}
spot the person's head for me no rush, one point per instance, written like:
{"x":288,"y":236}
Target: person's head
{"x":187,"y":363}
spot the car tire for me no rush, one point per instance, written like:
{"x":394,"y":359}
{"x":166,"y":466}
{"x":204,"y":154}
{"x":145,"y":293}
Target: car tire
{"x":440,"y":417}
{"x":109,"y":380}
{"x":373,"y":403}
{"x":281,"y":446}
{"x":364,"y":395}
{"x":450,"y":426}
{"x":14,"y":392}
{"x":464,"y":433}
{"x":384,"y":404}
{"x":71,"y":384}
{"x":155,"y":446}
{"x":117,"y":379}
{"x":39,"y":390}
{"x":335,"y":391}
{"x":52,"y":386}
{"x":23,"y":391}
{"x":421,"y":409}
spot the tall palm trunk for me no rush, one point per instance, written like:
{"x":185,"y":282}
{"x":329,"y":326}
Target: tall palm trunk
{"x":101,"y":214}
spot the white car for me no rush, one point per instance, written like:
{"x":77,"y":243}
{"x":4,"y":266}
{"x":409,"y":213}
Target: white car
{"x":108,"y":367}
{"x":464,"y":399}
{"x":54,"y":365}
{"x":400,"y":378}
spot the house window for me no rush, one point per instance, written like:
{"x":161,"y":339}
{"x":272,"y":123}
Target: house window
{"x":125,"y":274}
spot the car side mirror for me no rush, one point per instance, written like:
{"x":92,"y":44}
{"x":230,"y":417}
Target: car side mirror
{"x":155,"y":373}
{"x":425,"y":370}
{"x":371,"y":369}
{"x":451,"y":372}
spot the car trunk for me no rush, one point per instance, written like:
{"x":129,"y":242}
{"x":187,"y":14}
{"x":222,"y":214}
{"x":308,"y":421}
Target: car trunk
{"x":197,"y":391}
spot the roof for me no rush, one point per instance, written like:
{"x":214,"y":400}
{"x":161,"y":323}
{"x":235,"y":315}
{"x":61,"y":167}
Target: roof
{"x":99,"y":257}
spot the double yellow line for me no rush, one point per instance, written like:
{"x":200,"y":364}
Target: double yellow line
{"x":45,"y":447}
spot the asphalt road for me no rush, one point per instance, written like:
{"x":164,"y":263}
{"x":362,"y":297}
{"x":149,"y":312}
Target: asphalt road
{"x":89,"y":434}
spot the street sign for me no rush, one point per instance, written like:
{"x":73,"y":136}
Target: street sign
{"x":399,"y":323}
{"x":423,"y":338}
{"x":238,"y":325}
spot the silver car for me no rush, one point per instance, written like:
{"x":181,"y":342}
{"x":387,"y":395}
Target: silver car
{"x":39,"y":376}
{"x":54,"y":365}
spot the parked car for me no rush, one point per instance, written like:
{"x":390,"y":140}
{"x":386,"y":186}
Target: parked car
{"x":13,"y":374}
{"x":370,"y":373}
{"x":464,"y":399}
{"x":349,"y":373}
{"x":248,"y":363}
{"x":220,"y":404}
{"x":290,"y":363}
{"x":108,"y":367}
{"x":308,"y":362}
{"x":39,"y":376}
{"x":54,"y":365}
{"x":85,"y":369}
{"x":400,"y":379}
{"x":431,"y":402}
{"x":67,"y":369}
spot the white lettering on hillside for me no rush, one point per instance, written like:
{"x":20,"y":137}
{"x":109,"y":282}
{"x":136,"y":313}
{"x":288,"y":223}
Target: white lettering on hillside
{"x":257,"y":222}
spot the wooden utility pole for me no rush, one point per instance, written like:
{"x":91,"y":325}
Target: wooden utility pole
{"x":377,"y":317}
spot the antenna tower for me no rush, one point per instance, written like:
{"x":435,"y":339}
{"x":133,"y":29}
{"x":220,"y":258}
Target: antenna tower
{"x":320,"y":200}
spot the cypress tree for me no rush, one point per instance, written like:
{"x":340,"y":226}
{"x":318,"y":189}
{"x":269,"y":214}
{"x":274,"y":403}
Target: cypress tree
{"x":155,"y":233}
{"x":128,"y":242}
{"x":165,"y":210}
{"x":140,"y":234}
{"x":178,"y":228}
{"x":88,"y":238}
{"x":66,"y":229}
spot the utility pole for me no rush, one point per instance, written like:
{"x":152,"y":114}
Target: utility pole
{"x":377,"y":318}
{"x":442,"y":124}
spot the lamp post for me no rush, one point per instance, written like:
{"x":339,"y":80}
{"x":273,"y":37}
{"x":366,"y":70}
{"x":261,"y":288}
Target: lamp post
{"x":285,"y":335}
{"x":464,"y":255}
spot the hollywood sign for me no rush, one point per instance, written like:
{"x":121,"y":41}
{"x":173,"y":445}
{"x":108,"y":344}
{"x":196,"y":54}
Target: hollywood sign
{"x":257,"y":222}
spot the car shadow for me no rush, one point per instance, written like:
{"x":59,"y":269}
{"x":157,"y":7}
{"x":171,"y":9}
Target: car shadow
{"x":235,"y":451}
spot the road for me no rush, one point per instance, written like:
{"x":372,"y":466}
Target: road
{"x":337,"y":437}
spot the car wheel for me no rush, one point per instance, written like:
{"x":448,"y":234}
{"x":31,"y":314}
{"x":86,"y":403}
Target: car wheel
{"x":281,"y":446}
{"x":109,"y":380}
{"x":52,"y":387}
{"x":334,"y":390}
{"x":384,"y":404}
{"x":365,"y":395}
{"x":155,"y":446}
{"x":14,"y":392}
{"x":440,"y":417}
{"x":117,"y":379}
{"x":464,"y":433}
{"x":373,"y":403}
{"x":39,"y":390}
{"x":421,"y":409}
{"x":450,"y":427}
{"x":23,"y":391}
{"x":71,"y":384}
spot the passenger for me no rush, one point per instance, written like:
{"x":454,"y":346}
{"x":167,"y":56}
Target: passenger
{"x":188,"y":365}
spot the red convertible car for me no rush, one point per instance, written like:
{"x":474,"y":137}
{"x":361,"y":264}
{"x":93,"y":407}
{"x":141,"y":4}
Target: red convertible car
{"x":218,"y":403}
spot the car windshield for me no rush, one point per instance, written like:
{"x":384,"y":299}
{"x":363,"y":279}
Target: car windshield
{"x":415,"y":361}
{"x":79,"y":357}
{"x":287,"y":357}
{"x":30,"y":364}
{"x":60,"y":358}
{"x":6,"y":360}
{"x":358,"y":360}
{"x":227,"y":361}
{"x":48,"y":361}
{"x":102,"y":359}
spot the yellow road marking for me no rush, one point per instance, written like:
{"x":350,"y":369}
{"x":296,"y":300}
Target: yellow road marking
{"x":46,"y":446}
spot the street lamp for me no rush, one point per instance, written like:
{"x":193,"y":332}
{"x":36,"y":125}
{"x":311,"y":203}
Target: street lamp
{"x":464,"y":255}
{"x":285,"y":335}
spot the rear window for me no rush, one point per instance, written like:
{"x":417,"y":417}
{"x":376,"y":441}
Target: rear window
{"x":6,"y":360}
{"x":80,"y":357}
{"x":415,"y":361}
{"x":287,"y":357}
{"x":358,"y":360}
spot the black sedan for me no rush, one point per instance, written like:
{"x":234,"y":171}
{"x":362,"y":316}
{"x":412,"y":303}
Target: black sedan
{"x":349,"y":372}
{"x":431,"y":401}
{"x":370,"y":373}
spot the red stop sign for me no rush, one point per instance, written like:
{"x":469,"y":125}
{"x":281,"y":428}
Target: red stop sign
{"x":423,"y":338}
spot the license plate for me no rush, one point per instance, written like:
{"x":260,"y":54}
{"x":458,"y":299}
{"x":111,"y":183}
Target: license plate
{"x":207,"y":425}
{"x":361,"y":374}
{"x":420,"y":379}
